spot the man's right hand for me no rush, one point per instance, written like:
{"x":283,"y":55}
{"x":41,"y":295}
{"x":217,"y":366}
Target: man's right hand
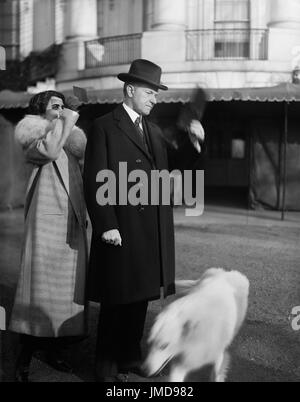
{"x":112,"y":237}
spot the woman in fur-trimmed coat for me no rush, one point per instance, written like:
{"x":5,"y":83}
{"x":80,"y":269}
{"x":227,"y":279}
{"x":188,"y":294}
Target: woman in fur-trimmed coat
{"x":50,"y":297}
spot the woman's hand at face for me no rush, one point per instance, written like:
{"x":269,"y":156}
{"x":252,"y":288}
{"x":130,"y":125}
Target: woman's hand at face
{"x":69,"y":115}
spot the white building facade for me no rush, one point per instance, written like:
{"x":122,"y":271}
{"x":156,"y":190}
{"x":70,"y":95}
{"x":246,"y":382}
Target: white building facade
{"x":207,"y":43}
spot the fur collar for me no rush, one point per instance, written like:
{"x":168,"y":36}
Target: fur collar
{"x":33,"y":127}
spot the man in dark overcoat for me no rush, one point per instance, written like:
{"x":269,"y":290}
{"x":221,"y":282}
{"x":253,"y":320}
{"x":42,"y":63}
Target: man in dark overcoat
{"x":132,"y":248}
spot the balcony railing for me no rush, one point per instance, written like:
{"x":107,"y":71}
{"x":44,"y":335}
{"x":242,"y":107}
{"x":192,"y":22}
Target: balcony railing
{"x":227,"y":44}
{"x":113,"y":50}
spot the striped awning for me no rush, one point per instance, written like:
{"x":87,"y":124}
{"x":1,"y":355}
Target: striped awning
{"x":10,"y":99}
{"x":286,"y":92}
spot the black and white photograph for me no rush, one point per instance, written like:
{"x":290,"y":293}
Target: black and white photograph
{"x":149,"y":193}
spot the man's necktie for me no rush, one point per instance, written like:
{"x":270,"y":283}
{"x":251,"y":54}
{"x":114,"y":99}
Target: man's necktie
{"x":141,"y":132}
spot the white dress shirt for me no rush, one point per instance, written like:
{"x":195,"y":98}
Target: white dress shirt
{"x":132,"y":114}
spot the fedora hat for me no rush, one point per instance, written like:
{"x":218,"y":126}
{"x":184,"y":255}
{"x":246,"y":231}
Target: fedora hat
{"x":142,"y":70}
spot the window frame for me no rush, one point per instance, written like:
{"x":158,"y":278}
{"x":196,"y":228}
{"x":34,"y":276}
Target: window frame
{"x":233,"y":48}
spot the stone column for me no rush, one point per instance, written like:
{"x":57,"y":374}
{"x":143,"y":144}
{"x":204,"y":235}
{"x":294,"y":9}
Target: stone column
{"x":169,"y":15}
{"x":285,"y":14}
{"x":26,"y":27}
{"x":81,"y":19}
{"x":284,"y":29}
{"x":59,"y":21}
{"x":165,"y":42}
{"x":80,"y":26}
{"x":43,"y":24}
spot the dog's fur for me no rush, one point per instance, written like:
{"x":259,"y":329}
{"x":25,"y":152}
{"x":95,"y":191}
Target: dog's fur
{"x":196,"y":329}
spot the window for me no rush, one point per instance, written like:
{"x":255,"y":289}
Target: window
{"x":9,"y":28}
{"x":232,"y":29}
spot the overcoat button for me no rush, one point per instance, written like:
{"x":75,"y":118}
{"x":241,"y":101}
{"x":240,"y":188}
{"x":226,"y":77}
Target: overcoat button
{"x":138,"y":161}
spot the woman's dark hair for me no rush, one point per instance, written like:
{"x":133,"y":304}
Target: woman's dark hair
{"x":39,"y":102}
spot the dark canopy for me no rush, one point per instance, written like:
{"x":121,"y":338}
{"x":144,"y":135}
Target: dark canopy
{"x":285,"y":92}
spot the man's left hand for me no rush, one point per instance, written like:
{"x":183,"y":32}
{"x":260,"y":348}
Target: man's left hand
{"x":196,"y":133}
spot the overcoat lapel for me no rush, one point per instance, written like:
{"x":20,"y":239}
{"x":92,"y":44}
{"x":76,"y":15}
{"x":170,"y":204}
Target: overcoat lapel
{"x":61,"y":164}
{"x":156,"y":145}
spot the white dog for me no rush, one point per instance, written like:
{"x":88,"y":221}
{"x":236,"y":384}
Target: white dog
{"x":195,"y":330}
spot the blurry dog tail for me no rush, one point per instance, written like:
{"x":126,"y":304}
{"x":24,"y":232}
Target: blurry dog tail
{"x":184,"y":285}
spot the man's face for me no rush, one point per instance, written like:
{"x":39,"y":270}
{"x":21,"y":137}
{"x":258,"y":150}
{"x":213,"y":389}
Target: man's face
{"x":54,"y":108}
{"x":143,"y":98}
